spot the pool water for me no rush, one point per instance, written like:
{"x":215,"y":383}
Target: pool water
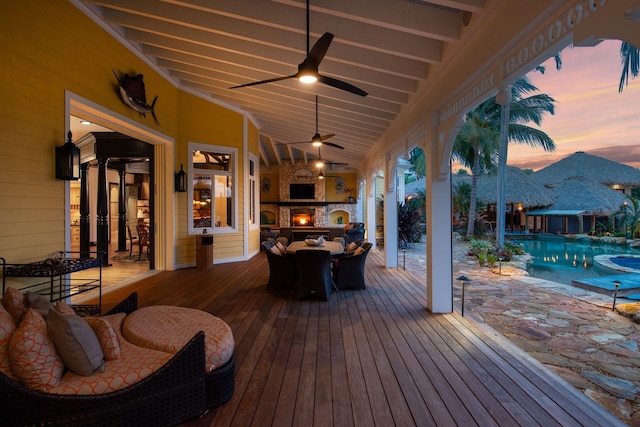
{"x":562,"y":260}
{"x":625,"y":261}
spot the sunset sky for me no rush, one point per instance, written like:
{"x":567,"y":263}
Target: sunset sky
{"x":591,"y":115}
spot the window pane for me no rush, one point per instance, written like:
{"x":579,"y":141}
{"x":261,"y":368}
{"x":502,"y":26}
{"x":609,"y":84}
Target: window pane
{"x":223,"y":202}
{"x":211,"y":160}
{"x":201,"y":201}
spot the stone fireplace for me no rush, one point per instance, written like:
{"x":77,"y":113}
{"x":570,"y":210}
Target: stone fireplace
{"x":313,"y":212}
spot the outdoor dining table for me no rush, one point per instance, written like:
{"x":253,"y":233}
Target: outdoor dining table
{"x":335,"y":248}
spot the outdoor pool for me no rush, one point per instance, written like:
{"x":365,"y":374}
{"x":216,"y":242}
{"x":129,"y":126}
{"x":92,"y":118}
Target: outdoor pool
{"x":562,"y":260}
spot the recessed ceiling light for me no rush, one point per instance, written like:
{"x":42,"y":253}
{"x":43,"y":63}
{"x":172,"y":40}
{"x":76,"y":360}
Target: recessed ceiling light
{"x":85,"y":122}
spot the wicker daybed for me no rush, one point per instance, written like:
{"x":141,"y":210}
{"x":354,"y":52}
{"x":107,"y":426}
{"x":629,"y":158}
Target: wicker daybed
{"x":172,"y":394}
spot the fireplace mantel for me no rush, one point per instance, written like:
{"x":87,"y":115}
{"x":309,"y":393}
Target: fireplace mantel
{"x":306,"y":203}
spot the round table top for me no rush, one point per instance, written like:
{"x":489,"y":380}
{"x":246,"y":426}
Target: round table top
{"x":335,"y":248}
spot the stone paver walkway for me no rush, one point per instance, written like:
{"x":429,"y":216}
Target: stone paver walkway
{"x":571,"y":331}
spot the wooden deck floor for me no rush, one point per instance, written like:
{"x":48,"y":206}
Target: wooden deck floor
{"x":364,"y":358}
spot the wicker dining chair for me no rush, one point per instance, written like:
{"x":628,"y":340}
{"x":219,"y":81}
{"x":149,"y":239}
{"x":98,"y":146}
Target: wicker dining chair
{"x":314,"y":273}
{"x":348,"y":271}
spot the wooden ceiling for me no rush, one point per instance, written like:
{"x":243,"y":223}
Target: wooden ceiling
{"x":385,"y":47}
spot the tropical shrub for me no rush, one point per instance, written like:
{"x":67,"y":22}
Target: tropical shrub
{"x":478,"y":245}
{"x":492,"y":259}
{"x":409,"y":230}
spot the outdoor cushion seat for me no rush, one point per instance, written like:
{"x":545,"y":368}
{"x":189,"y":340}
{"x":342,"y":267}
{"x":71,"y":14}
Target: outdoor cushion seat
{"x":167,"y":328}
{"x":138,"y":386}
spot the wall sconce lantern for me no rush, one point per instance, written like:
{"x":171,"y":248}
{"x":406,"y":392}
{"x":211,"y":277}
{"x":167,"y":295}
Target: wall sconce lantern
{"x":68,"y":161}
{"x":181,"y":180}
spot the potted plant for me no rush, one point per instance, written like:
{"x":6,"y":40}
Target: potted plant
{"x":350,"y":191}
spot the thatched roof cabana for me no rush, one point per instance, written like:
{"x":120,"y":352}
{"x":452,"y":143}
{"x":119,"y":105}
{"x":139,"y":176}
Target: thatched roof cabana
{"x":519,"y":188}
{"x":586,"y":166}
{"x":587,"y":196}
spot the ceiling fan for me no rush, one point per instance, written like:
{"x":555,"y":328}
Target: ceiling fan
{"x":317,"y":140}
{"x":308,"y":69}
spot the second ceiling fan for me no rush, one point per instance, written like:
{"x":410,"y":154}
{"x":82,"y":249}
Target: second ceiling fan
{"x":308,"y":69}
{"x":317,"y":140}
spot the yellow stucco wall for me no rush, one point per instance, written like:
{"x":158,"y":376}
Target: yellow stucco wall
{"x":47,"y":48}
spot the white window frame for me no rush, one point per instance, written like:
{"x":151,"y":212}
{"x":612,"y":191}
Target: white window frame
{"x":253,"y":193}
{"x":233,"y":173}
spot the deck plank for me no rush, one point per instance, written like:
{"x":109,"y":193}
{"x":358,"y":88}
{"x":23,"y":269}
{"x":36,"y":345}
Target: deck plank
{"x":365,"y":357}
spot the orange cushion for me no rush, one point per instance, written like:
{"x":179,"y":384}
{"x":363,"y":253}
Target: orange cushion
{"x":169,"y":328}
{"x":14,"y":302}
{"x":7,"y":327}
{"x":107,"y":337}
{"x":136,"y":364}
{"x":34,"y":359}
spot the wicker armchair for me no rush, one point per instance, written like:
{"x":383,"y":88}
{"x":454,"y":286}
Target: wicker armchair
{"x":171,"y":395}
{"x":314,"y":273}
{"x":348,"y":271}
{"x":355,"y":232}
{"x":282,"y":269}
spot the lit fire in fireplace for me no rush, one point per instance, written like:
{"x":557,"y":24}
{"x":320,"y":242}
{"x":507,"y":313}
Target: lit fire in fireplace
{"x":302,"y":220}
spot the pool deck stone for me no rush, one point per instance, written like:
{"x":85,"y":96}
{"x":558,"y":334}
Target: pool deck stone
{"x":570,"y":330}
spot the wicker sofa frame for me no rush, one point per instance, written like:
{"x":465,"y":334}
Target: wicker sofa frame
{"x":171,"y":395}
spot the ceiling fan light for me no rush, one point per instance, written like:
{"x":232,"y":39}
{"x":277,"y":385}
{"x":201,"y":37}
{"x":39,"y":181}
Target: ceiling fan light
{"x":307,"y":77}
{"x":316,"y":141}
{"x":321,"y":175}
{"x":319,"y":164}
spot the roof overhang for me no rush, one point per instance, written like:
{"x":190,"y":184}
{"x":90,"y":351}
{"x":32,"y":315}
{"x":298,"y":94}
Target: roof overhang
{"x":557,"y":212}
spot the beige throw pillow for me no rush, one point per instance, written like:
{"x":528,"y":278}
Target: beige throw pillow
{"x":77,"y":344}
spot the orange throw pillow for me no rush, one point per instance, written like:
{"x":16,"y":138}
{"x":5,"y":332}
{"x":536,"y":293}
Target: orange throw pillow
{"x":107,"y":337}
{"x":15,"y":303}
{"x":33,"y":356}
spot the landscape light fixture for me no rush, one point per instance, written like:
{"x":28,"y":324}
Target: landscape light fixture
{"x":68,"y":161}
{"x":463,"y":280}
{"x":181,"y":180}
{"x":617,"y":284}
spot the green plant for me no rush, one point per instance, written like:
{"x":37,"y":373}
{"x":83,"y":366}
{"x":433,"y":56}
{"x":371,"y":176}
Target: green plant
{"x":482,"y":256}
{"x":492,"y":259}
{"x":478,"y":245}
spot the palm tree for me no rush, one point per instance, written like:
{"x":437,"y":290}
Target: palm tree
{"x":475,"y":147}
{"x":630,"y":64}
{"x":477,"y":142}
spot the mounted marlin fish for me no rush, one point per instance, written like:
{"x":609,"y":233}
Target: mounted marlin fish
{"x":133,"y":94}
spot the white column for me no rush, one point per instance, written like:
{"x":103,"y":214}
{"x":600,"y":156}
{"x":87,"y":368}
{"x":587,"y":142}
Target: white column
{"x":390,"y":215}
{"x":370,"y":193}
{"x":504,"y":99}
{"x":439,"y":269}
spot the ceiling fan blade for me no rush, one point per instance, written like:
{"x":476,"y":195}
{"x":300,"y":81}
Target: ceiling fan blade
{"x":291,"y":143}
{"x":331,"y":144}
{"x":327,"y":136}
{"x":339,"y":84}
{"x":328,"y":162}
{"x":276,"y":79}
{"x":320,"y":48}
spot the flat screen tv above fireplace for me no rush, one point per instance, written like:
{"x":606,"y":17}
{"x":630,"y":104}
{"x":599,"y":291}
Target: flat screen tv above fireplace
{"x":302,"y":191}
